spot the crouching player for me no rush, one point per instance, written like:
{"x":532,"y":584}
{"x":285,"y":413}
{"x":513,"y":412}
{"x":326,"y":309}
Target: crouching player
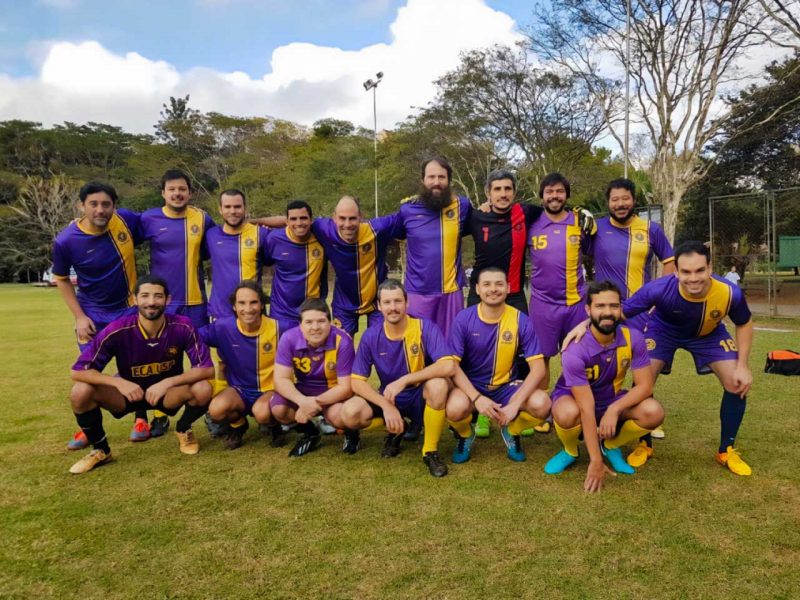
{"x":148,"y":348}
{"x":246,"y":343}
{"x":486,"y":339}
{"x":589,"y":397}
{"x":312,"y":376}
{"x":413,"y":364}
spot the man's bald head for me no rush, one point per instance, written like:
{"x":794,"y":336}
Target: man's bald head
{"x":347,"y":216}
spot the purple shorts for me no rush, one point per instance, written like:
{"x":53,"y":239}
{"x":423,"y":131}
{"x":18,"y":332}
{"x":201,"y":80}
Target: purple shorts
{"x":248,"y":396}
{"x":101,"y":319}
{"x":600,"y":408}
{"x":500,"y":394}
{"x":278,"y":400}
{"x":197,"y":313}
{"x":639,"y":322}
{"x":552,"y":323}
{"x":409,"y":402}
{"x":714,"y":347}
{"x":349,"y":320}
{"x":439,"y":308}
{"x":285,"y":325}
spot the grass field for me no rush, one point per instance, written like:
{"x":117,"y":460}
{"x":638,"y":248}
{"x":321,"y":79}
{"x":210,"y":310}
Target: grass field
{"x":252,"y":523}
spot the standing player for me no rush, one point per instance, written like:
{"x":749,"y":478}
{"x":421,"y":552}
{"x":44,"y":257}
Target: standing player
{"x":412,"y":362}
{"x":299,"y":265}
{"x":588,"y":397}
{"x":148,"y":348}
{"x":689,"y":309}
{"x":557,"y":285}
{"x":100,"y":247}
{"x":312,"y":376}
{"x":433,"y":223}
{"x":246,"y":343}
{"x":485,"y":340}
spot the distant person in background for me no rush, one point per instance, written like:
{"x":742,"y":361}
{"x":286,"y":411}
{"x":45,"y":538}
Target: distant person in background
{"x":733,"y":276}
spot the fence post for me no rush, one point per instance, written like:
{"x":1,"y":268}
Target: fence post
{"x":772,"y":252}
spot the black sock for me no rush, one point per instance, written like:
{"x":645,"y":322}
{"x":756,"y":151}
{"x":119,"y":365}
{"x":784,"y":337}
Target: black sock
{"x":91,"y":423}
{"x":731,"y":412}
{"x":141,"y":414}
{"x":307,"y":428}
{"x":189,"y":416}
{"x":647,"y":439}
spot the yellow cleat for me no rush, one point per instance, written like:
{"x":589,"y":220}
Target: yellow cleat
{"x":733,"y":460}
{"x":639,"y":456}
{"x":95,"y":458}
{"x":543,"y":428}
{"x":187,"y":443}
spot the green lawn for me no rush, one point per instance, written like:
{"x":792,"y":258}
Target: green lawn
{"x":252,"y":523}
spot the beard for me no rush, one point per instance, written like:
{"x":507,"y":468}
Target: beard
{"x":152,"y":317}
{"x":625,"y":218}
{"x":605,"y":329}
{"x":433,"y":201}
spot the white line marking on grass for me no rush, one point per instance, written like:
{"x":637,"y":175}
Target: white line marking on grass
{"x":775,"y":330}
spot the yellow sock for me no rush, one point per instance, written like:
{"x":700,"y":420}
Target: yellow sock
{"x":239,"y":423}
{"x":627,"y":433}
{"x":522,"y":422}
{"x":376,"y":423}
{"x":158,"y":414}
{"x":462,"y":427}
{"x":434,"y":421}
{"x":569,"y":438}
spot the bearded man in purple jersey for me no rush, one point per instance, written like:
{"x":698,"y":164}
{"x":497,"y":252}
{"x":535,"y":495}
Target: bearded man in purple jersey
{"x":148,"y":348}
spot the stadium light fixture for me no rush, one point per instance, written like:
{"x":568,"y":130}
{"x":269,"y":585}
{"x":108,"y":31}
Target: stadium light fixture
{"x":370,"y":84}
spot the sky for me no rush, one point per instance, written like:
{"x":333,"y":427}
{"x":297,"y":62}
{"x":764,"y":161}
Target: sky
{"x":118,"y":61}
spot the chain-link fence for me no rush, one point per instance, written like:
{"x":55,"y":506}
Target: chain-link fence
{"x":755,"y":241}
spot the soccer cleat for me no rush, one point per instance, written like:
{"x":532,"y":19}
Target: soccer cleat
{"x":733,"y":460}
{"x":95,"y":458}
{"x":543,"y":428}
{"x":187,"y":443}
{"x":235,"y":437}
{"x":658,"y":433}
{"x":413,"y":430}
{"x":616,"y":460}
{"x":276,"y":434}
{"x":391,"y":445}
{"x":215,"y":430}
{"x":559,"y":463}
{"x":305,"y":444}
{"x":463,"y":448}
{"x":352,"y":441}
{"x":527,"y":432}
{"x":513,"y":444}
{"x":325,"y":427}
{"x":140,"y":431}
{"x":436,"y":466}
{"x":79,"y":441}
{"x":639,"y":455}
{"x":482,"y":426}
{"x":159,"y":426}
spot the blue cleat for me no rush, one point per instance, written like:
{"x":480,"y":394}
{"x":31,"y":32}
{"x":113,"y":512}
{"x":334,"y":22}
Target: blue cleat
{"x":463,"y":447}
{"x":559,"y":463}
{"x":617,"y":461}
{"x":514,"y":445}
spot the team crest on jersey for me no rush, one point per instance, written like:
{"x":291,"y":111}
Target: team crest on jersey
{"x":450,"y":213}
{"x":172,"y":351}
{"x":331,"y":366}
{"x":651,"y":344}
{"x":366,"y":247}
{"x":267,"y":347}
{"x":249,"y":242}
{"x":574,"y":240}
{"x":715,"y":314}
{"x":122,"y":237}
{"x":195,"y":229}
{"x":315,"y":253}
{"x":415,"y":349}
{"x":639,"y":236}
{"x":507,"y":336}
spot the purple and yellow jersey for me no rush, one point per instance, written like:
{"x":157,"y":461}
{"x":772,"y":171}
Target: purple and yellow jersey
{"x":316,"y":370}
{"x":421,"y":345}
{"x":249,"y":357}
{"x":624,"y":254}
{"x":104,"y":262}
{"x":556,"y":252}
{"x":487,"y":350}
{"x":361,"y":266}
{"x":176,"y":251}
{"x":300,"y":271}
{"x":141,"y":359}
{"x":234,"y":257}
{"x":603,"y":368}
{"x":688,"y":317}
{"x":433,"y":249}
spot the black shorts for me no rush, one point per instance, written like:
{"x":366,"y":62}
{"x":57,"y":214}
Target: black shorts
{"x":132,"y":407}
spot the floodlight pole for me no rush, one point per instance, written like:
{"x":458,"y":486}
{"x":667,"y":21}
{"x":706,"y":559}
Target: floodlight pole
{"x":369,"y":84}
{"x":627,"y":83}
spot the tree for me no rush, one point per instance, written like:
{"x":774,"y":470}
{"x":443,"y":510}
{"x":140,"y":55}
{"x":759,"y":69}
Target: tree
{"x":683,"y":52}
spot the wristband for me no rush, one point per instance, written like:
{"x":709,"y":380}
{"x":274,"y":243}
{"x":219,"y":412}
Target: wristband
{"x":475,"y":399}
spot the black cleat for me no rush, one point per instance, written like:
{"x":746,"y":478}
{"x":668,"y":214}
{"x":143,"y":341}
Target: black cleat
{"x":276,"y":434}
{"x":307,"y":443}
{"x":352,"y":441}
{"x":391,"y":445}
{"x":216,"y":430}
{"x":413,"y":430}
{"x":235,"y":435}
{"x":435,"y":465}
{"x":159,"y":426}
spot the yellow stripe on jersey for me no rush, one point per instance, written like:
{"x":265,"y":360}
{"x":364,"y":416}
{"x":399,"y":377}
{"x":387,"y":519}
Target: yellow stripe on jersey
{"x":193,"y":232}
{"x":267,"y":341}
{"x":248,"y":252}
{"x":412,"y":346}
{"x":505,"y":345}
{"x":123,"y":242}
{"x":638,"y":249}
{"x":715,"y":306}
{"x":573,"y":263}
{"x":624,"y":354}
{"x":367,"y":257}
{"x":330,"y":364}
{"x":450,"y":239}
{"x":315,"y":260}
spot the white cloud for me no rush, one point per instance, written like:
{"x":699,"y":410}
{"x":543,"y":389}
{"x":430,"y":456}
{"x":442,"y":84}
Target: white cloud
{"x":84,"y":81}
